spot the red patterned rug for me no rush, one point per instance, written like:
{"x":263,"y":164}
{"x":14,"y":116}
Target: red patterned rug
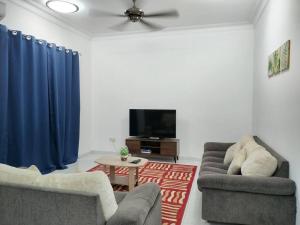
{"x":175,"y":181}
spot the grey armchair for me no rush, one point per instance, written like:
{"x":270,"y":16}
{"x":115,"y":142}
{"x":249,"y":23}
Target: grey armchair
{"x":39,"y":206}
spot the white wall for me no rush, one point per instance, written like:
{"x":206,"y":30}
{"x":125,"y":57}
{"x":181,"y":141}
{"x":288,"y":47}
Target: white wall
{"x":276,"y":100}
{"x":206,"y":75}
{"x":27,"y":19}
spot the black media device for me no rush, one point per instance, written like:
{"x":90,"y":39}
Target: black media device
{"x":152,"y":123}
{"x":136,"y":161}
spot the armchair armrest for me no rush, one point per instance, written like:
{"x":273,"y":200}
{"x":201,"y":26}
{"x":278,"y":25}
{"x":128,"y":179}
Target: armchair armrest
{"x":260,"y":185}
{"x":120,"y":196}
{"x":135,"y":207}
{"x":216,"y":146}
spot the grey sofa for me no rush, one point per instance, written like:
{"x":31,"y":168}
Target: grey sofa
{"x":245,"y":200}
{"x":24,"y":205}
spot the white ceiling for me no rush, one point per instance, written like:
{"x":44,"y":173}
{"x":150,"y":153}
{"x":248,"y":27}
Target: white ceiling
{"x":193,"y":13}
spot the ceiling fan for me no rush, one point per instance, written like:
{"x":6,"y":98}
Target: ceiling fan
{"x":135,"y":14}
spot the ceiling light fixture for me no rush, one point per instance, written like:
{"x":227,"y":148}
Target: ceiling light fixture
{"x":62,"y":6}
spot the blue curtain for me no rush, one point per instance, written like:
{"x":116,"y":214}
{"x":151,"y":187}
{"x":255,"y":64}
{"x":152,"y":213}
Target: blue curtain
{"x":39,"y":102}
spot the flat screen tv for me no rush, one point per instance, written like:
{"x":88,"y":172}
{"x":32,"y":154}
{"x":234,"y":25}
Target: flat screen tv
{"x":153,"y":123}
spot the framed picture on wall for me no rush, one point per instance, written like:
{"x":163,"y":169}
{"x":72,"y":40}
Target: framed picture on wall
{"x":285,"y":56}
{"x":274,"y":63}
{"x":279,"y":60}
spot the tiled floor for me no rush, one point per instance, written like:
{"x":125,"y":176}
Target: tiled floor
{"x":192,"y":215}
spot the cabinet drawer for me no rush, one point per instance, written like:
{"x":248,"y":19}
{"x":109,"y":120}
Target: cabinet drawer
{"x":168,"y":148}
{"x":133,"y":146}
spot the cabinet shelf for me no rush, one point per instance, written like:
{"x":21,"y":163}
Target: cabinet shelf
{"x":148,"y":146}
{"x":159,"y":148}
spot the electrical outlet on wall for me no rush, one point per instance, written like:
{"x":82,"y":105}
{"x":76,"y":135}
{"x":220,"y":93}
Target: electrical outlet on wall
{"x":112,"y":140}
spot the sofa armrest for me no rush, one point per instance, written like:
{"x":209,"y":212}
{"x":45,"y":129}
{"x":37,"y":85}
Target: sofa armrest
{"x":216,"y":146}
{"x":120,"y":196}
{"x":259,"y":185}
{"x":136,"y":205}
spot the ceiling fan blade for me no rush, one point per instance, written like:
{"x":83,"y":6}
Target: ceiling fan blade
{"x":166,"y":13}
{"x":120,"y":26}
{"x":151,"y":26}
{"x":101,"y":13}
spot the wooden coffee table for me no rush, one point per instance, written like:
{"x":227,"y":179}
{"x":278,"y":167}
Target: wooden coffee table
{"x":114,"y":161}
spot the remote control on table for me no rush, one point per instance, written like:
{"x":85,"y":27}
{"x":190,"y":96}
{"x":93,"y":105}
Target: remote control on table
{"x":135,"y":161}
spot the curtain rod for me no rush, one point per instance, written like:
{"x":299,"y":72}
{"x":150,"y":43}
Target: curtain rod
{"x":29,"y":37}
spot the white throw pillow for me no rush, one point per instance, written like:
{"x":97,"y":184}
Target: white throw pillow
{"x":35,"y":169}
{"x":245,"y":139}
{"x":92,"y":182}
{"x":230,"y":153}
{"x":233,"y":149}
{"x":252,"y":146}
{"x":15,"y":175}
{"x":259,"y":163}
{"x":236,"y":164}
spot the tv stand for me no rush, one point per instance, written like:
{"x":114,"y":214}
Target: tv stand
{"x":149,"y":147}
{"x":154,"y":138}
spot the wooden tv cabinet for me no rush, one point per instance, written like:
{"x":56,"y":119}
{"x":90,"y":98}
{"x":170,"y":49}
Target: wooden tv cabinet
{"x":168,"y":147}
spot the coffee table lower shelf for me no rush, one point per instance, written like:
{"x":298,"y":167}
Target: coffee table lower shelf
{"x":131,"y":180}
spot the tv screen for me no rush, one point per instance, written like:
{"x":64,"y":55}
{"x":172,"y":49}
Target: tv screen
{"x":152,"y":123}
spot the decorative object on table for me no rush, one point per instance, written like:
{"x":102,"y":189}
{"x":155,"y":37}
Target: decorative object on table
{"x":124,"y":152}
{"x":175,"y":181}
{"x":279,"y":60}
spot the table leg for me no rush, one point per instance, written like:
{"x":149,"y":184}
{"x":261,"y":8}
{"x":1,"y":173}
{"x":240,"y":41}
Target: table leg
{"x":137,"y":176}
{"x":112,"y":174}
{"x":131,"y":179}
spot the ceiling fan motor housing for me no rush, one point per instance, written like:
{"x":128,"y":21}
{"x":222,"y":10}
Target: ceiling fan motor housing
{"x":134,"y":14}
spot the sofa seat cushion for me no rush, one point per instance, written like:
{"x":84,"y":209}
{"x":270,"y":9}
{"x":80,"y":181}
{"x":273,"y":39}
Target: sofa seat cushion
{"x":215,"y":170}
{"x":13,"y":175}
{"x":219,"y":154}
{"x":135,"y":206}
{"x":92,"y":182}
{"x":205,"y":173}
{"x":260,"y":185}
{"x":214,"y":164}
{"x":212,"y":159}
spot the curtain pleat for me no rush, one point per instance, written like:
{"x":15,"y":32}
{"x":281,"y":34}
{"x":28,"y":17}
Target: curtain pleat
{"x":75,"y":109}
{"x":38,"y":90}
{"x":3,"y":93}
